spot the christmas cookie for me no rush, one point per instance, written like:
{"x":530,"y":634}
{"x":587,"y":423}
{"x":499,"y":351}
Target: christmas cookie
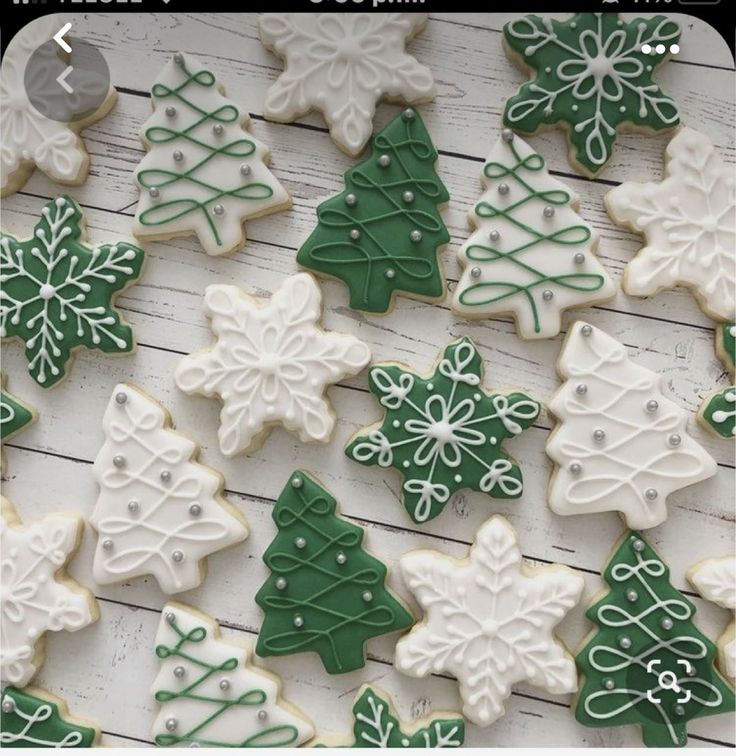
{"x":326,"y":594}
{"x":159,"y":511}
{"x":621,"y":444}
{"x":270,"y":364}
{"x":382,"y":235}
{"x":646,"y":663}
{"x":58,"y":292}
{"x":592,"y":76}
{"x":204,"y":173}
{"x":342,"y":64}
{"x":689,"y":222}
{"x":15,"y":414}
{"x":37,"y":593}
{"x":444,"y":432}
{"x":718,"y":412}
{"x":33,"y":718}
{"x":489,"y":621}
{"x":377,"y":726}
{"x":30,"y":139}
{"x":211,"y":695}
{"x":531,"y":254}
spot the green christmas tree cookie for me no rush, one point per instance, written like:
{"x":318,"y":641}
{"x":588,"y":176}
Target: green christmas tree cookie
{"x":444,"y":432}
{"x":718,"y":412}
{"x":647,"y":663}
{"x":325,"y":593}
{"x":14,"y":414}
{"x":57,"y":291}
{"x":381,"y":235}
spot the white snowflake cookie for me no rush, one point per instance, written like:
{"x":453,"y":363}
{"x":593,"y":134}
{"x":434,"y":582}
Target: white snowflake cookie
{"x":270,"y":364}
{"x":489,"y":621}
{"x":689,"y":220}
{"x":342,"y":64}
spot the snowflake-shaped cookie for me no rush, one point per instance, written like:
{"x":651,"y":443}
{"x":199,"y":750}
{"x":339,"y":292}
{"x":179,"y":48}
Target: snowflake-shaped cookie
{"x":270,"y":364}
{"x":14,"y":414}
{"x":342,"y":64}
{"x":489,"y":621}
{"x":57,"y":292}
{"x":36,"y":595}
{"x":592,"y":75}
{"x":689,"y":221}
{"x":443,"y":432}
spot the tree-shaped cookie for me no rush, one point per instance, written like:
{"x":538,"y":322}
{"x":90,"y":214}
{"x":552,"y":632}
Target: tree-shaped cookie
{"x":159,"y":511}
{"x":58,"y":292}
{"x":15,"y":414}
{"x":204,"y":173}
{"x":591,"y":75}
{"x":718,"y":412}
{"x":381,"y":235}
{"x":646,"y":663}
{"x":211,"y":695}
{"x":33,"y":718}
{"x":489,"y":621}
{"x":621,"y":444}
{"x":37,"y":595}
{"x":689,"y":222}
{"x":326,"y":593}
{"x":531,"y":253}
{"x":444,"y":432}
{"x":341,"y":64}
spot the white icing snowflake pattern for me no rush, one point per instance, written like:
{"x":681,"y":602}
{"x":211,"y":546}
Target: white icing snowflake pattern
{"x":342,"y":64}
{"x":489,"y":621}
{"x":271,"y":363}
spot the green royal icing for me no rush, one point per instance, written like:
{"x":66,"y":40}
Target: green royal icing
{"x":57,"y":292}
{"x":28,"y":721}
{"x":590,"y":76}
{"x":381,"y":235}
{"x":443,"y":432}
{"x":720,"y":412}
{"x":14,"y":415}
{"x":726,"y":338}
{"x":644,"y":621}
{"x":325,"y":594}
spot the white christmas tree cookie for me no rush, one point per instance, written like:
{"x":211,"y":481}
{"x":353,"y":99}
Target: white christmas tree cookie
{"x":531,"y":254}
{"x":210,"y":695}
{"x":159,"y":511}
{"x":270,"y":364}
{"x":689,"y":221}
{"x":621,"y":445}
{"x":715,"y":580}
{"x":37,"y":595}
{"x":489,"y":621}
{"x":204,"y":174}
{"x":341,"y":64}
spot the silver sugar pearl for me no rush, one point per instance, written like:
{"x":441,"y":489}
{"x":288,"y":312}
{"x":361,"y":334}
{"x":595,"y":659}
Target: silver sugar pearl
{"x":178,"y":58}
{"x":179,"y":671}
{"x":632,"y":595}
{"x":609,"y":684}
{"x":503,"y":188}
{"x":153,"y":192}
{"x":354,"y":234}
{"x":296,"y":482}
{"x":107,"y":544}
{"x":218,"y":128}
{"x":170,"y":111}
{"x":367,"y":596}
{"x":475,"y":272}
{"x":651,"y":494}
{"x":625,"y":642}
{"x":408,"y":197}
{"x":300,"y":542}
{"x":177,"y":556}
{"x":262,"y":715}
{"x":667,"y":623}
{"x":384,"y":161}
{"x":416,"y":235}
{"x":652,"y":405}
{"x":548,"y":211}
{"x":674,"y":439}
{"x":351,"y":200}
{"x":581,"y":389}
{"x":298,"y":620}
{"x":121,"y":397}
{"x":586,"y":330}
{"x":218,"y":209}
{"x":178,"y":156}
{"x":679,"y":710}
{"x":165,"y":475}
{"x":171,"y":724}
{"x":194,"y":745}
{"x":224,"y":684}
{"x":195,"y":510}
{"x":170,"y":617}
{"x":390,"y":273}
{"x":341,"y":558}
{"x":599,"y":434}
{"x":575,"y":468}
{"x":245,"y":169}
{"x":133,"y":505}
{"x":507,"y":135}
{"x":548,"y":295}
{"x":8,"y":705}
{"x":494,"y":235}
{"x":638,"y":545}
{"x":118,"y":460}
{"x":281,"y":583}
{"x":579,"y":258}
{"x":408,"y":114}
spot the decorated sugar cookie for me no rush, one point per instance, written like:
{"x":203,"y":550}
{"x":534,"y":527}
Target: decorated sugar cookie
{"x":342,"y":64}
{"x":37,"y":593}
{"x":717,"y":414}
{"x":621,"y":444}
{"x":726,"y":346}
{"x":270,"y":364}
{"x":489,"y":621}
{"x":159,"y":511}
{"x":59,"y":291}
{"x":444,"y":432}
{"x":204,"y":173}
{"x":33,"y":718}
{"x":326,"y":594}
{"x":15,"y":414}
{"x":646,"y":662}
{"x":382,"y":235}
{"x":591,"y":75}
{"x":211,"y":695}
{"x":531,"y":254}
{"x":689,"y":222}
{"x":377,"y":726}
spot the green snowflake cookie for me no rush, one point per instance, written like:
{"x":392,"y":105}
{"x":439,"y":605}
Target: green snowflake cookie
{"x":592,"y":74}
{"x":719,"y":413}
{"x":57,"y":292}
{"x":14,"y":414}
{"x":444,"y":432}
{"x":726,"y":345}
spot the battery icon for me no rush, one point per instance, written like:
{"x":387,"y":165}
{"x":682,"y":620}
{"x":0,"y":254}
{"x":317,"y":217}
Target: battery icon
{"x":699,"y":2}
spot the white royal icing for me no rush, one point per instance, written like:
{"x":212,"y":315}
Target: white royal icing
{"x":489,"y":621}
{"x":342,"y":64}
{"x":271,"y":363}
{"x":689,"y":220}
{"x":620,"y":444}
{"x":159,"y":512}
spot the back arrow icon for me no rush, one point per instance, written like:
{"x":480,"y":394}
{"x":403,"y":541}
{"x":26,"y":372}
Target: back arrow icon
{"x":61,"y":79}
{"x":59,"y":39}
